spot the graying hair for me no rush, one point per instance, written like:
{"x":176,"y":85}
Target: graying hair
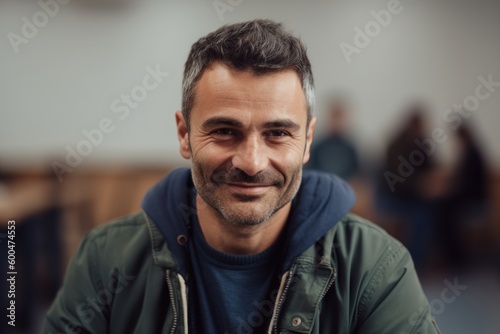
{"x":262,"y":46}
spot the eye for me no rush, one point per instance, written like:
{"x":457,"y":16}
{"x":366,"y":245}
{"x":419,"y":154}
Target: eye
{"x":277,"y":133}
{"x":223,"y":132}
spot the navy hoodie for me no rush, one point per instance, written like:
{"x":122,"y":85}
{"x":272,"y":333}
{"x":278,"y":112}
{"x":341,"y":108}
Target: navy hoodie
{"x":321,"y":201}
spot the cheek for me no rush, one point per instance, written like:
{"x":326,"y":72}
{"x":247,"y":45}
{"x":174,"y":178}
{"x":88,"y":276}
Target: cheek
{"x":210,"y":156}
{"x":294,"y":152}
{"x":289,"y":159}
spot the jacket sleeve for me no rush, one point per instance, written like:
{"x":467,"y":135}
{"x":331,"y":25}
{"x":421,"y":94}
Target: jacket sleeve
{"x":393,"y":300}
{"x":78,"y":306}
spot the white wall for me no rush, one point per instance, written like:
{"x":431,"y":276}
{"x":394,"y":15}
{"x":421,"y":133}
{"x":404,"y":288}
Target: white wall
{"x":66,"y":77}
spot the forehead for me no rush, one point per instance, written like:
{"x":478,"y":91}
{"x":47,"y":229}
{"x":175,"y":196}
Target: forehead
{"x":225,"y":91}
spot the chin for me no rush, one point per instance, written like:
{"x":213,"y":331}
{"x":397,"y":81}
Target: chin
{"x":246,"y":216}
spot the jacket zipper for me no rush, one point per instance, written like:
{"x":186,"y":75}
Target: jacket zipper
{"x":172,"y":301}
{"x":329,"y":283}
{"x":274,"y":319}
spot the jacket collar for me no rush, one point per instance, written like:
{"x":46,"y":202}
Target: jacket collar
{"x":161,"y":254}
{"x":311,"y":276}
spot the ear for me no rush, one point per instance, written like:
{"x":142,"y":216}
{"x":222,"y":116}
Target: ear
{"x":309,"y":139}
{"x":183,"y":135}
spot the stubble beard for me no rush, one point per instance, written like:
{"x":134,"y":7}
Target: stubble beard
{"x":211,"y":190}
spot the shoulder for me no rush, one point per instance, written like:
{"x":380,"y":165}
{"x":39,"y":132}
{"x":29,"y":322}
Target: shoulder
{"x":366,"y":251}
{"x":354,"y":234}
{"x":122,"y":226}
{"x":119,"y":242}
{"x":123,"y":231}
{"x":374,"y":268}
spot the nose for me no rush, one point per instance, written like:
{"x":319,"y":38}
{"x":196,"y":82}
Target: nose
{"x":251,"y":156}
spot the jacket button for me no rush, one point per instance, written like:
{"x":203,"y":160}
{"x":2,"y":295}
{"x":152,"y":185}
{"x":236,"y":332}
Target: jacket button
{"x":182,"y":239}
{"x":296,"y":322}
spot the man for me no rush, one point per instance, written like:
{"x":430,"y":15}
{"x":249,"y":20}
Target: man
{"x":243,"y":242}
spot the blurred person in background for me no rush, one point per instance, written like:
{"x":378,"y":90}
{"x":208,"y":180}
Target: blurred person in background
{"x":466,"y":203}
{"x":243,"y":241}
{"x":405,"y":190}
{"x":335,"y":153}
{"x":32,"y":202}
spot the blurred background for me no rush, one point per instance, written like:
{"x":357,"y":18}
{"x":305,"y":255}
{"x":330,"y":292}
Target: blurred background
{"x":408,"y":102}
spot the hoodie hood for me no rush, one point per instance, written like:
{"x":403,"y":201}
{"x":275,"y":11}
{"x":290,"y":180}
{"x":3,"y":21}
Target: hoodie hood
{"x":322,"y":200}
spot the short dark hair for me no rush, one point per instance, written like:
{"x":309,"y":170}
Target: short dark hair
{"x":262,"y":46}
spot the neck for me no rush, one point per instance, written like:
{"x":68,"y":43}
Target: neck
{"x":229,"y":238}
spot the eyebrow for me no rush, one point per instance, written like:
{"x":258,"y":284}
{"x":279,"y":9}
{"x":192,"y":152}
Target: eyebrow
{"x":226,"y":121}
{"x":283,"y":123}
{"x":218,"y":121}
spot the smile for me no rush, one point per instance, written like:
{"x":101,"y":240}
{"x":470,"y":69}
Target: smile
{"x":251,"y":189}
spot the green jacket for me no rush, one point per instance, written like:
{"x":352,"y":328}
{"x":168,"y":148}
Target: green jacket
{"x":356,"y":279}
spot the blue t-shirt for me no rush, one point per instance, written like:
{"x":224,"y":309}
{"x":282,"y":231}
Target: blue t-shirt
{"x":232,"y":294}
{"x":226,"y":294}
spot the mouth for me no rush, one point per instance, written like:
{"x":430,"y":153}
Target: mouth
{"x":249,"y":189}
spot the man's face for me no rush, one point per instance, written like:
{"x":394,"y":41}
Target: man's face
{"x":248,"y":142}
